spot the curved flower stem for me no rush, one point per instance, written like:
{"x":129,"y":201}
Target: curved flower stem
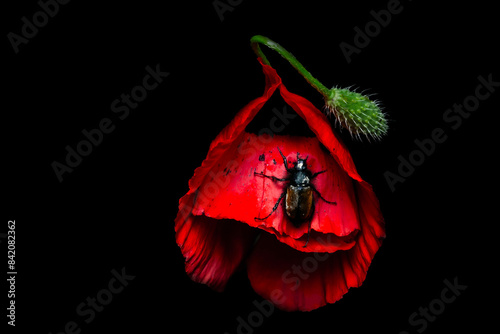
{"x":352,"y":110}
{"x":258,"y":39}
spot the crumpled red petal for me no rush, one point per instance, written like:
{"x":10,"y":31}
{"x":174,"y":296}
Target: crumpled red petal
{"x":213,"y":249}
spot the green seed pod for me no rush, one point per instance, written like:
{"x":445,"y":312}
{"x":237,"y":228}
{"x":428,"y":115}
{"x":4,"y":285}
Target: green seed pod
{"x":356,"y":113}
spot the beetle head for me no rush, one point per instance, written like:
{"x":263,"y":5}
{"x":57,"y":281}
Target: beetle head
{"x":301,"y":164}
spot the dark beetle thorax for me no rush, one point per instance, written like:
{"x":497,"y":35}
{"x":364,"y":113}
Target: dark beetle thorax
{"x":301,"y":178}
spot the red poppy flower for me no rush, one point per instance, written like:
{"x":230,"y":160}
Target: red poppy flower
{"x":216,"y":226}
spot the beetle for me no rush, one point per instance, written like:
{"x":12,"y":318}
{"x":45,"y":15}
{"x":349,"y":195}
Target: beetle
{"x":299,"y":205}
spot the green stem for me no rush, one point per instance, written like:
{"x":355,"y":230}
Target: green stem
{"x":258,"y":39}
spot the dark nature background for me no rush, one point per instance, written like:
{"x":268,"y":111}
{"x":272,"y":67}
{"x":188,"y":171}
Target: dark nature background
{"x":116,"y":209}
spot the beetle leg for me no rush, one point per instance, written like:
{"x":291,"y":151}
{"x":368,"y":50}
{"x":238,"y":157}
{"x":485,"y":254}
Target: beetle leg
{"x":317,"y":192}
{"x":316,"y":174}
{"x":274,"y":178}
{"x":275,"y":207}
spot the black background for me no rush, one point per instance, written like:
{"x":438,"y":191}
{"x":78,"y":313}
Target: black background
{"x":116,"y":209}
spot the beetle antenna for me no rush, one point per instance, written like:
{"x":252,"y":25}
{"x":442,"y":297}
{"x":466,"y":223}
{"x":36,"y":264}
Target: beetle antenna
{"x":285,"y":162}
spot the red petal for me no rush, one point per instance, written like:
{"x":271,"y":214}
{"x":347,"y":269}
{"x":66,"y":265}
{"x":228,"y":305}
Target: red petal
{"x":301,"y":281}
{"x":213,"y":249}
{"x":233,"y":191}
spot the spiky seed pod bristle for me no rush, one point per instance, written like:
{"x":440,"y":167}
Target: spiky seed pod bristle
{"x":356,"y":113}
